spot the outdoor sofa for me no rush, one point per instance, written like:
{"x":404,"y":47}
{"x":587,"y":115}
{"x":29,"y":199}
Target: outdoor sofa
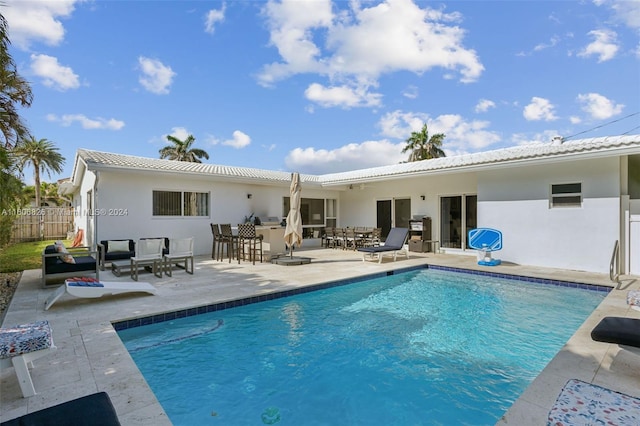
{"x":85,"y":261}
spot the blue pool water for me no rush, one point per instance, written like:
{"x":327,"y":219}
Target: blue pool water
{"x":425,"y":347}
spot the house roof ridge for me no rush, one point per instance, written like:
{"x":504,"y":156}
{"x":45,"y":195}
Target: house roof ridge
{"x":518,"y":153}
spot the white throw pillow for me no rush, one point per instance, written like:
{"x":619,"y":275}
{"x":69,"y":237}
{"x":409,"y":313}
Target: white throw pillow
{"x":66,"y":257}
{"x":117,"y":246}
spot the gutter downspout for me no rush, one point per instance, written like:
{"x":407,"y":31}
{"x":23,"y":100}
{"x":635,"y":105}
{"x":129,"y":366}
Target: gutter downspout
{"x":94,"y":244}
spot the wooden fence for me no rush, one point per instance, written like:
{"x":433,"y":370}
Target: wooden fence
{"x":44,"y":223}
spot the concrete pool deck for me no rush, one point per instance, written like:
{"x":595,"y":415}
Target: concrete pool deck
{"x":90,"y":357}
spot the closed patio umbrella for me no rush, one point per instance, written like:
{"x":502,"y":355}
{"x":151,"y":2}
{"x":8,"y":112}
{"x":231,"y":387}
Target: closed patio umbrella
{"x":293,"y":231}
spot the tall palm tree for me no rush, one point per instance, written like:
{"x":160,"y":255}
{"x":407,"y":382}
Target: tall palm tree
{"x":14,"y":91}
{"x":423,"y":147}
{"x":43,"y":155}
{"x":181,"y":150}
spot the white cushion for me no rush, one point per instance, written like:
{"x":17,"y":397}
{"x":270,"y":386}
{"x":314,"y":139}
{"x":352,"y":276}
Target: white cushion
{"x":117,"y":246}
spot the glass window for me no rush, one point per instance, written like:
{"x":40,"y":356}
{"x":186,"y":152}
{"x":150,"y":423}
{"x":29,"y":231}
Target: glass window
{"x":566,"y":195}
{"x":196,"y":204}
{"x":311,"y":210}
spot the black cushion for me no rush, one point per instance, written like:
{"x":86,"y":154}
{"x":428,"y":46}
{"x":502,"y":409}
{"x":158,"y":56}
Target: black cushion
{"x":378,"y":249}
{"x":622,"y":331}
{"x":83,"y":263}
{"x":90,"y":410}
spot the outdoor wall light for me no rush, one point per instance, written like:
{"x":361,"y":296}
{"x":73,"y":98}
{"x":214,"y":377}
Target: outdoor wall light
{"x":249,"y":196}
{"x":423,"y":197}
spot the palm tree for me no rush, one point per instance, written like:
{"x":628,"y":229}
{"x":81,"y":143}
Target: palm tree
{"x":423,"y":147}
{"x":181,"y":150}
{"x":42,"y":155}
{"x":14,"y":91}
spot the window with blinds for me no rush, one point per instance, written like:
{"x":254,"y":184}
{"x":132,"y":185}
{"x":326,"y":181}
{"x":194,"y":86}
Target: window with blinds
{"x":178,"y":203}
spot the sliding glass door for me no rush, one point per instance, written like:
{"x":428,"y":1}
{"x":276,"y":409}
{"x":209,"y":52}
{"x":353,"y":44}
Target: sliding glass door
{"x":458,"y":215}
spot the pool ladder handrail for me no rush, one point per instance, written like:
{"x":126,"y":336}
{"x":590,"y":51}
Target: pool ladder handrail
{"x":614,"y":266}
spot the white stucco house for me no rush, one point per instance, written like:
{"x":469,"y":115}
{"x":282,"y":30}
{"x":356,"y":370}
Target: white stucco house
{"x":560,"y":204}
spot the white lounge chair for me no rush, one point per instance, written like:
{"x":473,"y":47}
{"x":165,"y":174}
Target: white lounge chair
{"x":90,"y":288}
{"x":22,"y":344}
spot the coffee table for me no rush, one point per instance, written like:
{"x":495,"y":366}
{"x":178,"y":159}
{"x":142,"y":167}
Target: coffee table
{"x":120,"y":266}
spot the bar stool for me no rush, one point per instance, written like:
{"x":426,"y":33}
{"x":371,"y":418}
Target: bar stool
{"x":247,"y":236}
{"x":217,"y":239}
{"x":228,"y":239}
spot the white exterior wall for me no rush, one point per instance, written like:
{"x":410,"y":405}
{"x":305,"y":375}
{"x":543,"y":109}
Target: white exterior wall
{"x":358,"y":206}
{"x":83,"y":218}
{"x":516,"y":201}
{"x":126,"y":200}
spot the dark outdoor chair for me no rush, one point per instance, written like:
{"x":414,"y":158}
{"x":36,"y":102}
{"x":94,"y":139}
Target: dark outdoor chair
{"x":393,"y":245}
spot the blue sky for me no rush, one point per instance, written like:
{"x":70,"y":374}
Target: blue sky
{"x":317,"y":86}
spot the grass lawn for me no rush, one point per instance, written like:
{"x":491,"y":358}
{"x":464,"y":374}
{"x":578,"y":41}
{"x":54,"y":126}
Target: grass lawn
{"x":22,"y":256}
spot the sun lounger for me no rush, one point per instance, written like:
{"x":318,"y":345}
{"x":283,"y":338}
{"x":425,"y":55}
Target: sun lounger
{"x":91,"y":410}
{"x":90,"y":288}
{"x":625,"y":332}
{"x":22,"y":344}
{"x":393,"y":245}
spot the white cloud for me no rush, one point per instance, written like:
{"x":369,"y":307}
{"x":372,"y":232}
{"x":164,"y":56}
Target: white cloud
{"x":213,"y":17}
{"x":239,"y":140}
{"x":461,"y":135}
{"x":156,"y":77}
{"x":86,"y":122}
{"x":180,"y":133}
{"x":342,"y":96}
{"x":410,"y":92}
{"x":627,"y":12}
{"x":604,"y":45}
{"x":545,"y":136}
{"x":575,"y":119}
{"x":539,"y":109}
{"x":349,"y":157}
{"x":36,"y":21}
{"x":363,"y":43}
{"x":542,"y":46}
{"x":53,"y":74}
{"x":599,"y":107}
{"x":484,"y":105}
{"x":399,"y":125}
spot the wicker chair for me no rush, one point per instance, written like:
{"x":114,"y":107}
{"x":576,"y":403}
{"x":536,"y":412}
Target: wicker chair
{"x":247,"y":238}
{"x":217,"y":240}
{"x":228,"y":239}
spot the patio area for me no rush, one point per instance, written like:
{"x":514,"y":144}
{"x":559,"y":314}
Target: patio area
{"x":90,"y":357}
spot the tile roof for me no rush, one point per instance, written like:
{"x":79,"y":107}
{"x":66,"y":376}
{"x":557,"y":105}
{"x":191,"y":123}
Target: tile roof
{"x":604,"y":146}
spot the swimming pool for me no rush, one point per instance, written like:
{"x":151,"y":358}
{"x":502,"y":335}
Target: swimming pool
{"x":424,"y":347}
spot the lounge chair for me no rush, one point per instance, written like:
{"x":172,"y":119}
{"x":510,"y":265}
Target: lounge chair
{"x":91,"y":410}
{"x":625,"y":332}
{"x":22,"y":344}
{"x":88,"y":288}
{"x":393,"y":245}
